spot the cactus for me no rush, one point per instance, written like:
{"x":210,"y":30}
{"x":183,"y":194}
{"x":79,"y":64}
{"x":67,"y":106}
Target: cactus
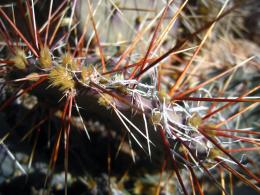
{"x":165,"y":98}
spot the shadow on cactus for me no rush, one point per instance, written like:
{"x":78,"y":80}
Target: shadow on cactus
{"x":122,"y":97}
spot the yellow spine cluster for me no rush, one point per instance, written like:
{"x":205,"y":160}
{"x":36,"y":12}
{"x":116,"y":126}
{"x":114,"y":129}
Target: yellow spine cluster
{"x":195,"y":120}
{"x":19,"y":59}
{"x":105,"y":100}
{"x":68,"y":61}
{"x":45,"y":58}
{"x":60,"y":77}
{"x":86,"y":72}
